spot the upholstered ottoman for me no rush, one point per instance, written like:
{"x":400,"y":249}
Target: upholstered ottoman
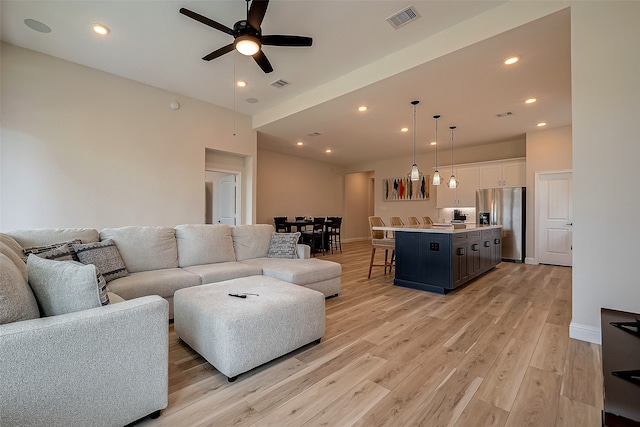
{"x":236,"y":334}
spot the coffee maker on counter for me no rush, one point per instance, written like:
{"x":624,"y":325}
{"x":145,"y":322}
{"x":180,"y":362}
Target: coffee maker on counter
{"x":458,"y":216}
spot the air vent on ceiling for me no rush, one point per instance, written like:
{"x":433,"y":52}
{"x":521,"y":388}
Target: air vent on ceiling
{"x":280,"y":83}
{"x":403,"y":17}
{"x":508,"y":113}
{"x":314,"y":134}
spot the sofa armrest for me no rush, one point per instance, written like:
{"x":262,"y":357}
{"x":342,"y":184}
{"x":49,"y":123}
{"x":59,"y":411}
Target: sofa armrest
{"x":304,"y":251}
{"x":103,"y":366}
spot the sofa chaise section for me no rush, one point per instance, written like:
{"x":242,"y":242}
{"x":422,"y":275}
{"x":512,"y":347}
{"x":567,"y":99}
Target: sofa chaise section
{"x":251,"y":243}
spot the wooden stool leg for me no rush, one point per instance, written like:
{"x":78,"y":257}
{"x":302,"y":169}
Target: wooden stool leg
{"x":386,"y":253}
{"x":373,"y":252}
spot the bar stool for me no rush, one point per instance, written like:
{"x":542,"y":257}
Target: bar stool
{"x":379,"y":240}
{"x":426,"y":220}
{"x":413,"y":221}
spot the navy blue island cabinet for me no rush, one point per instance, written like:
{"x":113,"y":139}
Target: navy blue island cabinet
{"x":440,"y":261}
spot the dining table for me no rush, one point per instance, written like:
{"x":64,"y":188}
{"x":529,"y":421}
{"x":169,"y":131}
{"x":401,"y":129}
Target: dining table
{"x":299,"y":224}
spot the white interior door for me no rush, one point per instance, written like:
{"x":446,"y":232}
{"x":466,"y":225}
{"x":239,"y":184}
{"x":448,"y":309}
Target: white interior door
{"x":555,"y":234}
{"x":224,"y":199}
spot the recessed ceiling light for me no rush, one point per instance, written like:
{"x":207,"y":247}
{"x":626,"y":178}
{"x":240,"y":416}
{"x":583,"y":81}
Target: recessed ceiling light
{"x":37,"y":25}
{"x":328,"y":150}
{"x":541,"y":124}
{"x":253,"y":100}
{"x":362,"y":108}
{"x":404,"y":130}
{"x":299,"y":143}
{"x":530,"y":101}
{"x":241,"y":83}
{"x":100,"y":29}
{"x":511,"y":60}
{"x":433,"y":143}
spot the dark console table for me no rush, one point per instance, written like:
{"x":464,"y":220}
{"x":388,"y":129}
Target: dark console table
{"x":620,"y":368}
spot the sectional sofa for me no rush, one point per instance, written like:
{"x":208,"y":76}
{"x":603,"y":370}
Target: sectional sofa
{"x":107,"y":365}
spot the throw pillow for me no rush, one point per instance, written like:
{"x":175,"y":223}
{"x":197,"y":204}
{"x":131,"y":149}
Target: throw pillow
{"x":16,"y":298}
{"x":284,"y":245}
{"x":59,"y":251}
{"x":62,"y":287}
{"x":62,"y":254}
{"x":105,"y":256}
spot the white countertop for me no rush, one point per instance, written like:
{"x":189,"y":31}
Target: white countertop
{"x":439,"y":228}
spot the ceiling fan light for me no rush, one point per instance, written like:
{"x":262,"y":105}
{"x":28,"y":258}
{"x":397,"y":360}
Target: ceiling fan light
{"x":436,"y":178}
{"x":247,"y":45}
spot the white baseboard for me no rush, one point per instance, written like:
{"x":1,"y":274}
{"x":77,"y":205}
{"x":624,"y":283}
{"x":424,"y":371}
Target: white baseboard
{"x":529,"y":260}
{"x":585,"y":333}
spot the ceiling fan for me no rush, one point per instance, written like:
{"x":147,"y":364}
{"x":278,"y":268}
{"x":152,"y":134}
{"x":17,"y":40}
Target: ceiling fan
{"x":247,"y":34}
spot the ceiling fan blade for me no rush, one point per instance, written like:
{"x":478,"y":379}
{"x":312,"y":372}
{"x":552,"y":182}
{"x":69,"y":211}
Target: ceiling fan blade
{"x":263,"y":62}
{"x":293,"y":41}
{"x":217,"y":53}
{"x":206,"y":21}
{"x":256,"y":13}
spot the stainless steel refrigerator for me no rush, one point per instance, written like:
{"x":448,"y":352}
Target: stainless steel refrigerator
{"x":505,"y":207}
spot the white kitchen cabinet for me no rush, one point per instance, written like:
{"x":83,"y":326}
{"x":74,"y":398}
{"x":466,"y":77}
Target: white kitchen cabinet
{"x":511,"y":173}
{"x":462,"y":196}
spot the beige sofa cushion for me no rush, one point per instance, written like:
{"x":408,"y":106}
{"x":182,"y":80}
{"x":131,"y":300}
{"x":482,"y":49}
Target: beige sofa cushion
{"x":17,"y":301}
{"x":297,"y":271}
{"x":11,"y":243}
{"x":251,"y":241}
{"x":144,"y":248}
{"x":162,"y":282}
{"x":15,"y":258}
{"x":49,"y":236}
{"x":220,"y":271}
{"x":200,"y":244}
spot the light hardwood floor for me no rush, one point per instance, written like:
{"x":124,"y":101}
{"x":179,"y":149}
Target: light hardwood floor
{"x":494,"y":353}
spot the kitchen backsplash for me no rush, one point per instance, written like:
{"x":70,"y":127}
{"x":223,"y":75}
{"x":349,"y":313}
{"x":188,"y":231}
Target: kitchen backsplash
{"x":446,"y":214}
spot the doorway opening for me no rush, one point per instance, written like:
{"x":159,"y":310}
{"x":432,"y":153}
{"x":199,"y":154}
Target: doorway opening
{"x":222,"y":197}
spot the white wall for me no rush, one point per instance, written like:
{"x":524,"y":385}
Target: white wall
{"x":358,"y":206}
{"x":84,"y":148}
{"x":291,"y":186}
{"x":605,"y":58}
{"x":547,"y":151}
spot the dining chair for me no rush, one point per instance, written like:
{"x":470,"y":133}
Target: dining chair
{"x":334,"y":224}
{"x":426,"y":220}
{"x":315,"y":236}
{"x":280,"y":224}
{"x":379,"y":240}
{"x":301,"y":228}
{"x":413,"y":221}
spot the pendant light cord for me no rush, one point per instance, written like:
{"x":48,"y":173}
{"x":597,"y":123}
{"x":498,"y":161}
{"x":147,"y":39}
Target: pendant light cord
{"x":436,"y":119}
{"x":414,"y":132}
{"x":452,"y":128}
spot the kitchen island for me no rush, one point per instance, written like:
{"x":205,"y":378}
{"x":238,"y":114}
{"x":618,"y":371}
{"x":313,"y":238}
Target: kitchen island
{"x":439,"y":258}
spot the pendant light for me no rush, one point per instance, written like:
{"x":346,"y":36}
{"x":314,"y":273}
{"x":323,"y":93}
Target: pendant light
{"x":436,"y":174}
{"x":415,"y":173}
{"x":453,"y":182}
